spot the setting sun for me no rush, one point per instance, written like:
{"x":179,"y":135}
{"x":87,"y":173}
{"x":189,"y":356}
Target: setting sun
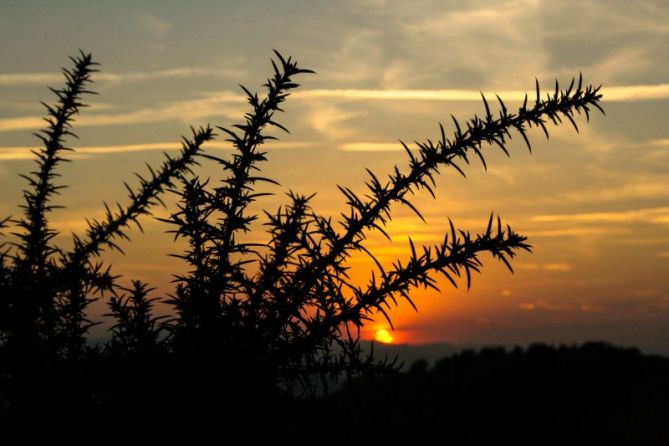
{"x":384,"y":336}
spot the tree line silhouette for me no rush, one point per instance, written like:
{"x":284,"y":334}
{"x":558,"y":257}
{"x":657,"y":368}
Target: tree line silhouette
{"x":253,"y":327}
{"x":593,"y":393}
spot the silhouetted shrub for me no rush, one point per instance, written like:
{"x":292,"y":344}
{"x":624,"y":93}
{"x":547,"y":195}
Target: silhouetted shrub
{"x":234,"y":333}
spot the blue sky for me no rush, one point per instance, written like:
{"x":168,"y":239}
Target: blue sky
{"x":595,"y":205}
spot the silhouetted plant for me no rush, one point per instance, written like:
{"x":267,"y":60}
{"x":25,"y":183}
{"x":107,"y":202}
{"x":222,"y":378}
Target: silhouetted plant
{"x":46,"y":289}
{"x":136,"y":333}
{"x":300,"y":315}
{"x":284,"y":312}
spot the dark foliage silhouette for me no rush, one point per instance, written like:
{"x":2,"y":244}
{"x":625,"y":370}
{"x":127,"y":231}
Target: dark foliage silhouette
{"x":250,"y":322}
{"x":594,"y":393}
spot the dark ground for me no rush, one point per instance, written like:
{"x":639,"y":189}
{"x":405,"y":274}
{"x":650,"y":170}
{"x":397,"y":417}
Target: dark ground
{"x":589,"y":394}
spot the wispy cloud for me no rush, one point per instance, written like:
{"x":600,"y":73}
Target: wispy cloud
{"x":627,"y":93}
{"x":371,"y":147}
{"x":570,"y":306}
{"x":650,"y":215}
{"x":24,"y":153}
{"x":642,"y":241}
{"x":637,"y":188}
{"x":631,"y":93}
{"x":551,"y":266}
{"x":332,"y":121}
{"x":20,"y":79}
{"x":485,"y":43}
{"x":23,"y":123}
{"x":223,"y":104}
{"x":324,"y":118}
{"x":154,"y":25}
{"x":660,"y":142}
{"x":499,"y":35}
{"x":404,"y":95}
{"x":576,"y":232}
{"x":649,"y":293}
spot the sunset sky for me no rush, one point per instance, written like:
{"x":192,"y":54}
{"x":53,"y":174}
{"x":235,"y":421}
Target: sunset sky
{"x":594,"y":205}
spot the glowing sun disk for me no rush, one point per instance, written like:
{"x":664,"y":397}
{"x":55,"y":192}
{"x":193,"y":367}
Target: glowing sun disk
{"x":384,"y":336}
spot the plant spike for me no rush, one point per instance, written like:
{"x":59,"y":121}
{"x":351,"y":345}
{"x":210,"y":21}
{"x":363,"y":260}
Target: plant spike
{"x":495,"y":131}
